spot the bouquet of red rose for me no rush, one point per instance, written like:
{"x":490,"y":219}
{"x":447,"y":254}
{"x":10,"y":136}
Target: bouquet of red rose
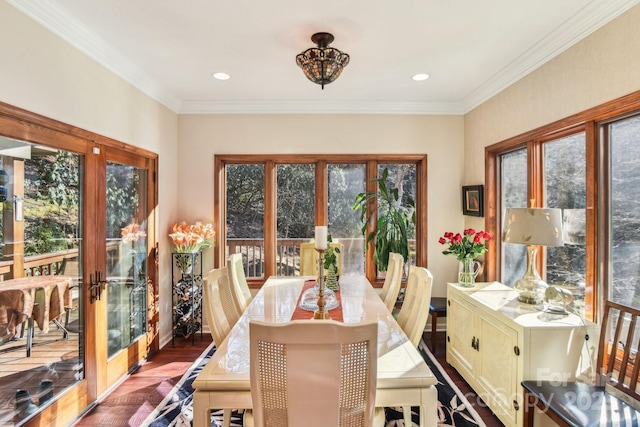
{"x":469,"y":244}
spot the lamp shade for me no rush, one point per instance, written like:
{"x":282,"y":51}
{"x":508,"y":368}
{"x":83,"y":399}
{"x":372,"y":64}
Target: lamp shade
{"x":533,"y":226}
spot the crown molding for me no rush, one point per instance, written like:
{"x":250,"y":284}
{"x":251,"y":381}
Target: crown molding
{"x":592,"y":17}
{"x":589,"y":19}
{"x":318,"y":107}
{"x":57,"y":20}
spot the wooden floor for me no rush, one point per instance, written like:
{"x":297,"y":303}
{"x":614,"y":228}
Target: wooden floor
{"x":54,"y":360}
{"x":485,"y":413}
{"x":131,"y":402}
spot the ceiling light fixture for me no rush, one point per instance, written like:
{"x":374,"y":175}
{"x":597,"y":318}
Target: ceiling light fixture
{"x":322,"y":64}
{"x":420,"y":77}
{"x":221,"y":76}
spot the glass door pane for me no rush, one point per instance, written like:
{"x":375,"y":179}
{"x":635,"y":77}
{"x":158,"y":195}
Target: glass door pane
{"x":403,"y":178}
{"x":245,"y":216}
{"x":346,"y":181}
{"x":565,"y":175}
{"x":513,"y":194}
{"x":296,"y":213}
{"x":126,"y":255}
{"x":41,"y":314}
{"x":624,"y":216}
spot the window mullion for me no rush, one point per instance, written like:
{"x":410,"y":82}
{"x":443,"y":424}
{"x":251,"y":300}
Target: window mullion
{"x":370,"y":265}
{"x":322,"y":193}
{"x":592,"y":290}
{"x":536,"y":174}
{"x":270,"y":218}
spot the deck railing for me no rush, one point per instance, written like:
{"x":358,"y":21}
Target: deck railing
{"x":53,"y":262}
{"x":288,"y":255}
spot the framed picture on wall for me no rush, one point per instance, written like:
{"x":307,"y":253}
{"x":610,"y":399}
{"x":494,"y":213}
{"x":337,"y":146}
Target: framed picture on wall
{"x":473,"y":200}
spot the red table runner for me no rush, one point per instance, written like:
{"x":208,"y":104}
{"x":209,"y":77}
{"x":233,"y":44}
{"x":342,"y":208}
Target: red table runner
{"x":301,"y":314}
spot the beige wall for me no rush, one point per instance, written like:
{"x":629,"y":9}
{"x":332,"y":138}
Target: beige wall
{"x":42,"y":73}
{"x":602,"y":67}
{"x":440,"y":137}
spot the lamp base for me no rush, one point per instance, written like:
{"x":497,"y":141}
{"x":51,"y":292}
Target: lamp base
{"x":531,"y":287}
{"x":529,"y":299}
{"x":531,"y":290}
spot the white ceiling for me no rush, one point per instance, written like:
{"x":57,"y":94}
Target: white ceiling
{"x":472,"y":49}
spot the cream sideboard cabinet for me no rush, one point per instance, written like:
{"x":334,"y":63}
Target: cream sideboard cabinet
{"x":495,"y":342}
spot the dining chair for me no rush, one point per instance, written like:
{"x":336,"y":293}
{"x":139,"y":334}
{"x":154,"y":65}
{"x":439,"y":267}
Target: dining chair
{"x":309,"y":258}
{"x":235,"y":272}
{"x":415,"y":307}
{"x":313,"y":373}
{"x":609,"y":398}
{"x":227,"y":298}
{"x":214,"y":312}
{"x":392,"y":281}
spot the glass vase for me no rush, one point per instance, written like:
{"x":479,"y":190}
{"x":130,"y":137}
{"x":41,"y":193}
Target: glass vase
{"x":184,"y":262}
{"x":467,"y":272}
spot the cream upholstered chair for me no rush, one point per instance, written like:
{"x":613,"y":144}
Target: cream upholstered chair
{"x":214,"y":311}
{"x":393,"y":280}
{"x":227,"y":298}
{"x":241,"y":293}
{"x":313,"y":373}
{"x":415,"y":310}
{"x":415,"y":307}
{"x":216,"y":319}
{"x":309,"y":258}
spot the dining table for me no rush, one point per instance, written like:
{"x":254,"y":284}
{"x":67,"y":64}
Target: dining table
{"x":403,"y":377}
{"x":36,"y":300}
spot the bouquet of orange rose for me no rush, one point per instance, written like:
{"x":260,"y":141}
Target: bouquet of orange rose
{"x":192,"y":237}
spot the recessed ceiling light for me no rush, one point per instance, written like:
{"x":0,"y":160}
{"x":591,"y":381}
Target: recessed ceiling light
{"x":221,"y":76}
{"x":420,"y":77}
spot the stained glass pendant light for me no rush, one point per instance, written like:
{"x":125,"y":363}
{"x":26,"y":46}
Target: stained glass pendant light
{"x":322,"y":64}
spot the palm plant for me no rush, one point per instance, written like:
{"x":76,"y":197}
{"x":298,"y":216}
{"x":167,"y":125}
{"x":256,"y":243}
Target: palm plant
{"x":391,"y":232}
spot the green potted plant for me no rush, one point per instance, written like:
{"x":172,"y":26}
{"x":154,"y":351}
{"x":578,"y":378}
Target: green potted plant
{"x":391,"y":228}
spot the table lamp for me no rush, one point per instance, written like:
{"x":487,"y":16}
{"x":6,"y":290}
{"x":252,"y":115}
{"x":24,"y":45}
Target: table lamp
{"x":532,"y":227}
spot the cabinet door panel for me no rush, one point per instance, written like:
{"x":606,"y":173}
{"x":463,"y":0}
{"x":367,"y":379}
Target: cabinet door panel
{"x":497,"y":366}
{"x":460,"y":334}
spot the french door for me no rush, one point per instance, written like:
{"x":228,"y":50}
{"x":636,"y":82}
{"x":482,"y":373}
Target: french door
{"x":121,"y":291}
{"x":78,"y":210}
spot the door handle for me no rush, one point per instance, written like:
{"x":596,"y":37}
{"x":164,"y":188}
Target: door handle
{"x":95,"y":286}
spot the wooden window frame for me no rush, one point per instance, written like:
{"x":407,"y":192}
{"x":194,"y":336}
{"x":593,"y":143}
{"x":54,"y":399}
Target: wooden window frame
{"x":371,"y":163}
{"x":587,"y":122}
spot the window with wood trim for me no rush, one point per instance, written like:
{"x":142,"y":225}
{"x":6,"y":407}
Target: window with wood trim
{"x":266,"y":206}
{"x":585,"y":165}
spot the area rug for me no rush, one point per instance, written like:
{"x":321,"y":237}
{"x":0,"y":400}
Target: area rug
{"x":176,"y":410}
